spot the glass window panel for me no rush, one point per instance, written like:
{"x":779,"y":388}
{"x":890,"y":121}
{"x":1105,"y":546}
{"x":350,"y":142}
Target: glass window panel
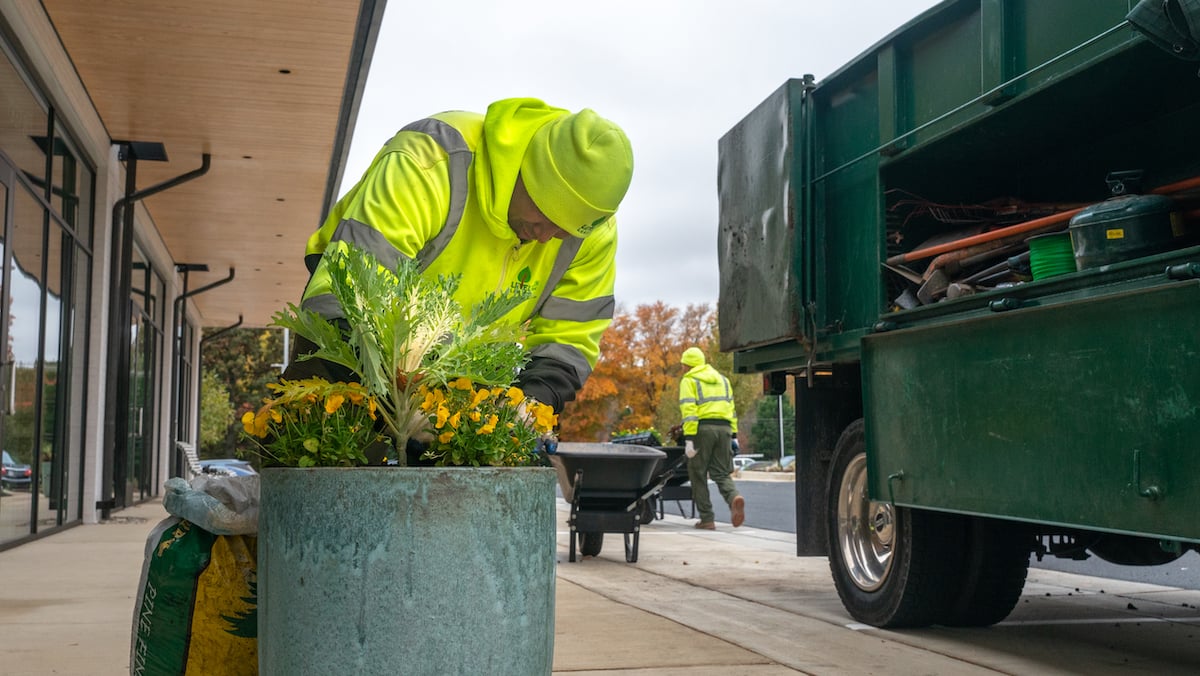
{"x":153,"y":422}
{"x":42,"y":412}
{"x":72,"y":194}
{"x":23,"y":122}
{"x":146,"y":293}
{"x":140,"y":385}
{"x":139,"y":281}
{"x":14,"y":509}
{"x":158,"y":305}
{"x":50,"y":442}
{"x":187,"y":384}
{"x":24,"y":320}
{"x":70,"y":469}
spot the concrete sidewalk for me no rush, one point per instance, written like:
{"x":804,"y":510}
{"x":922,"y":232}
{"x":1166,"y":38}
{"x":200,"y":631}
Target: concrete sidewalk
{"x":56,"y":620}
{"x":730,"y":601}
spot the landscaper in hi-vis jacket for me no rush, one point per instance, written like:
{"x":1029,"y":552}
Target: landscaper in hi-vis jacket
{"x":709,"y":423}
{"x":524,"y":194}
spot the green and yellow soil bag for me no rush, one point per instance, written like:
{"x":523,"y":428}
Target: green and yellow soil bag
{"x":196,"y":605}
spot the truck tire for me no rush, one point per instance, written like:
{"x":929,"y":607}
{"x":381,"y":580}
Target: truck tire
{"x":890,"y":564}
{"x":994,"y":567}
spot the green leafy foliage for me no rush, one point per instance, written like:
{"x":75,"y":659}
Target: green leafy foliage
{"x":764,"y":434}
{"x":244,"y":361}
{"x":403,"y":330}
{"x":215,"y":412}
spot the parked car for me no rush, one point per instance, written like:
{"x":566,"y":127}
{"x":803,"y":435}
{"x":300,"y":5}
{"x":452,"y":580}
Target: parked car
{"x":772,"y":465}
{"x":760,"y":466}
{"x":227,"y":467}
{"x":14,"y":474}
{"x":740,"y":461}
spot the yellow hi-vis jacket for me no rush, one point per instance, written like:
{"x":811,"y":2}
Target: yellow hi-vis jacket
{"x":705,"y":394}
{"x":438,"y":193}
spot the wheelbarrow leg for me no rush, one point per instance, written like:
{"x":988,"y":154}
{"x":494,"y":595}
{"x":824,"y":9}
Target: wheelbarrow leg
{"x":573,"y":522}
{"x":631,"y":543}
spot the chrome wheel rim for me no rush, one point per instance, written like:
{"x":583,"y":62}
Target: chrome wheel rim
{"x":866,"y":529}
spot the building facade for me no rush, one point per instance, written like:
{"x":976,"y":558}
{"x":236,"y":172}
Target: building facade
{"x":160,"y":169}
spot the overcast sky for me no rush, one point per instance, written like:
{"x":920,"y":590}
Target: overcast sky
{"x":675,"y":74}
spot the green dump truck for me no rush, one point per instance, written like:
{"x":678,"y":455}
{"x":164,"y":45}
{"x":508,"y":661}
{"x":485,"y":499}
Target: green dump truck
{"x":973,"y":251}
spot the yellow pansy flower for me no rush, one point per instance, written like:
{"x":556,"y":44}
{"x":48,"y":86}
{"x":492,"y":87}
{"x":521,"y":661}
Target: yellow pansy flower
{"x":333,"y":402}
{"x":490,"y":426}
{"x":515,"y":396}
{"x":429,"y":403}
{"x":480,"y":397}
{"x":248,"y":422}
{"x":544,"y":417}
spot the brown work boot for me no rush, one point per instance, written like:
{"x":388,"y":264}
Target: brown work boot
{"x":737,"y":509}
{"x":706,"y":525}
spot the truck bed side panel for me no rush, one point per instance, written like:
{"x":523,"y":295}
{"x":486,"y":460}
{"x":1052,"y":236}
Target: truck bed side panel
{"x":1084,"y":413}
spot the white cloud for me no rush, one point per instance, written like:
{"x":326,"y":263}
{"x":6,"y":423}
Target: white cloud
{"x":675,"y":74}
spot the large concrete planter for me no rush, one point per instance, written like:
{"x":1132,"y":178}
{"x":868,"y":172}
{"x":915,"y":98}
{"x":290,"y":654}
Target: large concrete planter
{"x":383,"y":570}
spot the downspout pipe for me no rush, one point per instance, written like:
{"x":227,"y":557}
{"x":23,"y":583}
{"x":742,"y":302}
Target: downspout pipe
{"x":176,"y":460}
{"x":116,"y":423}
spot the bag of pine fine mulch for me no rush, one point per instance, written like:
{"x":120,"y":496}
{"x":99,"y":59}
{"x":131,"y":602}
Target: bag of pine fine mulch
{"x":196,"y":608}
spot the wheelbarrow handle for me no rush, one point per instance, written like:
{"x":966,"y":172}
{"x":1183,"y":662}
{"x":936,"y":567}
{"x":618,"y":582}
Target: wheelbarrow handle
{"x":678,"y":462}
{"x":657,"y":486}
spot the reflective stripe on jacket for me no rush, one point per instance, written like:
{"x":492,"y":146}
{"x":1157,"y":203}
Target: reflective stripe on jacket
{"x":705,"y":394}
{"x":441,"y":218}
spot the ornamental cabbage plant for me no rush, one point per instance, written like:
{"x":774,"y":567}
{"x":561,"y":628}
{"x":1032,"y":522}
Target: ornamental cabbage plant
{"x":433,"y":369}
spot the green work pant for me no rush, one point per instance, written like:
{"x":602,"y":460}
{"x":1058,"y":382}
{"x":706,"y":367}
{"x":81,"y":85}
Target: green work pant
{"x":714,"y":458}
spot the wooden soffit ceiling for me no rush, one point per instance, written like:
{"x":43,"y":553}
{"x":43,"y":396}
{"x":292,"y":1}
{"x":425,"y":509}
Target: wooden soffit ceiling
{"x":268,"y":88}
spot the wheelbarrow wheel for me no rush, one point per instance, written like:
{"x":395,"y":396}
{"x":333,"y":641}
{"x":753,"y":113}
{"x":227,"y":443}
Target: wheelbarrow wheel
{"x":649,"y":509}
{"x":590,"y":543}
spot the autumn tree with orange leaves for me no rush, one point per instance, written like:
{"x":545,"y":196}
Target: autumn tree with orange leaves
{"x":636,"y":381}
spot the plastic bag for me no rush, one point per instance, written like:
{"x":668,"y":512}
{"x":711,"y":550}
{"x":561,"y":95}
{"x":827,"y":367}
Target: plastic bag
{"x":196,"y":608}
{"x":222,"y":505}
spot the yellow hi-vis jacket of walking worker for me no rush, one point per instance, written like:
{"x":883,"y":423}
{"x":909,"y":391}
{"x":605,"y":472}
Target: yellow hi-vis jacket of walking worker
{"x":704,"y":394}
{"x":440,"y":191}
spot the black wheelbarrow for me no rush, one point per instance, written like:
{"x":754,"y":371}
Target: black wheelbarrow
{"x":609,"y":487}
{"x":673,"y":470}
{"x":676,"y":484}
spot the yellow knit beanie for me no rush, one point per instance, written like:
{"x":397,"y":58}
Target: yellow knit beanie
{"x":692,"y":357}
{"x":576,"y":169}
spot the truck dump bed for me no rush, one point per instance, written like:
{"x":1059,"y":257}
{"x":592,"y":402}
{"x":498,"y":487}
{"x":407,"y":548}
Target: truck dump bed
{"x":880,"y":222}
{"x":975,"y":116}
